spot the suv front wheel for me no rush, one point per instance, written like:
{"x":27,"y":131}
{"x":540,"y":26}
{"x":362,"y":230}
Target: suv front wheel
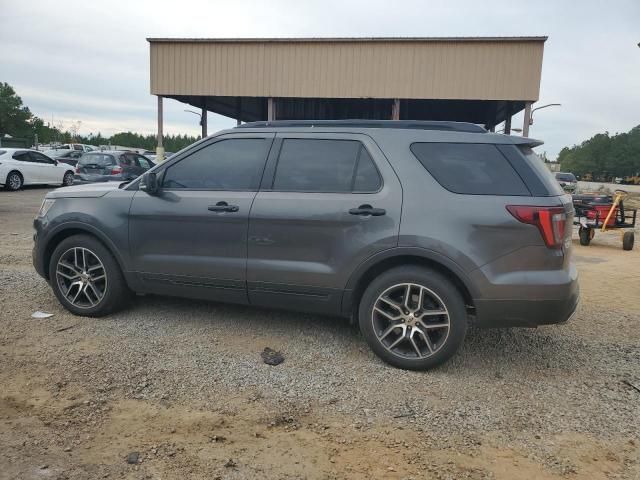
{"x":413,"y":318}
{"x":86,"y":278}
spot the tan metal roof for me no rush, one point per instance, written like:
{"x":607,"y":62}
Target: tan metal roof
{"x":494,"y":68}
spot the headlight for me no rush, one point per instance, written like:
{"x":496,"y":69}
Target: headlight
{"x":47,"y":203}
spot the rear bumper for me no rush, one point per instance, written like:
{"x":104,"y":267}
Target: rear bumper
{"x":539,"y":307}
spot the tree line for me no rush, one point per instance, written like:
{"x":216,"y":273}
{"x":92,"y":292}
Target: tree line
{"x":604,"y":156}
{"x":19,"y":122}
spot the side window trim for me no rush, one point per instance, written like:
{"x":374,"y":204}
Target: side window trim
{"x":375,"y":166}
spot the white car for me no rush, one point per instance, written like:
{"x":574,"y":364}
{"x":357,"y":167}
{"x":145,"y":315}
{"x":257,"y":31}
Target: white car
{"x":22,"y":166}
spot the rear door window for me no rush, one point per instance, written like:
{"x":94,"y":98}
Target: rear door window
{"x":329,"y":166}
{"x":22,"y":156}
{"x":470,"y":168}
{"x":40,"y":158}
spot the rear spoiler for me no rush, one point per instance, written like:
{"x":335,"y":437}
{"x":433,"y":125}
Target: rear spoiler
{"x":529,"y":142}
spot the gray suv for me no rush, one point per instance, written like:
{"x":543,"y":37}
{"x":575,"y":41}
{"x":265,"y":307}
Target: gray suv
{"x":110,"y":165}
{"x":413,"y":230}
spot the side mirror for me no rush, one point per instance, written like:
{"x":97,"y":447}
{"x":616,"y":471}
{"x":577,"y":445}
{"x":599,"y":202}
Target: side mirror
{"x":149,"y":183}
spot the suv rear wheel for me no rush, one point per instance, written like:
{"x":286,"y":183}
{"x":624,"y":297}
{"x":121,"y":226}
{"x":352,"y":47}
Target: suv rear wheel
{"x":86,"y":278}
{"x":413,"y":318}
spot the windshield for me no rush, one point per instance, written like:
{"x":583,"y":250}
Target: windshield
{"x":565,"y":177}
{"x":99,"y":159}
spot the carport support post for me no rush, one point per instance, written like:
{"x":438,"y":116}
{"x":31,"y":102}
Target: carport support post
{"x":203,"y":122}
{"x":160,"y":147}
{"x":527,"y":119}
{"x":507,"y":123}
{"x":395,"y":109}
{"x":238,"y":110}
{"x":271,"y":109}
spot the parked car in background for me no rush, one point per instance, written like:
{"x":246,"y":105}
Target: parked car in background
{"x":111,"y":165}
{"x":82,"y":147}
{"x":567,"y":181}
{"x":69,"y":157}
{"x":412,"y":229}
{"x":153,"y":155}
{"x":20,"y":166}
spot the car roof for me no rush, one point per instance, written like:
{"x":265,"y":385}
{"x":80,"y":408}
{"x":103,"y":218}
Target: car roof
{"x":14,"y":149}
{"x":402,"y":130}
{"x":109,"y":152}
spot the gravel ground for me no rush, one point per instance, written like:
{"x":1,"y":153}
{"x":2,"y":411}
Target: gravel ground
{"x":176,"y":388}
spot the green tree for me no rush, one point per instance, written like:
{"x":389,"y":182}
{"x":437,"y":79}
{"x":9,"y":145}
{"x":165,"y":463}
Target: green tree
{"x":15,"y":118}
{"x":604,"y":155}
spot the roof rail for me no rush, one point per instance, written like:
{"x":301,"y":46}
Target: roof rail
{"x":402,"y":124}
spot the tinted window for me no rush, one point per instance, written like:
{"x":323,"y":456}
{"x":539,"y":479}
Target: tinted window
{"x":470,"y":168}
{"x":40,"y":158}
{"x":126,"y":159}
{"x":22,"y":156}
{"x":99,"y":159}
{"x":367,"y":178}
{"x":565,"y":177}
{"x":541,"y":170}
{"x":307,"y":165}
{"x":142,"y":162}
{"x":234,"y":164}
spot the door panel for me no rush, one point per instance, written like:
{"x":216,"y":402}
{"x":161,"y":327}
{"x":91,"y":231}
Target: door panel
{"x":190,"y":239}
{"x":176,"y":240}
{"x":303,"y":246}
{"x":29,"y":169}
{"x":47,"y":171}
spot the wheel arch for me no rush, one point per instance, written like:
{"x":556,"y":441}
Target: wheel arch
{"x":16,"y":170}
{"x":396,"y":257}
{"x":68,"y":230}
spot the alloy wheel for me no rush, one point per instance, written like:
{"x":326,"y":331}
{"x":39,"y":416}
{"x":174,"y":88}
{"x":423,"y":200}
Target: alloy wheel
{"x":15,"y":182}
{"x":410,"y":321}
{"x":67,"y":180}
{"x":81,"y":277}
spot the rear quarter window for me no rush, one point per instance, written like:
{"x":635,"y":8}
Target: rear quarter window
{"x":470,"y":168}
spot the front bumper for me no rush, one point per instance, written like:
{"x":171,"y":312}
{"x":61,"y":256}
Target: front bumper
{"x":37,"y":252}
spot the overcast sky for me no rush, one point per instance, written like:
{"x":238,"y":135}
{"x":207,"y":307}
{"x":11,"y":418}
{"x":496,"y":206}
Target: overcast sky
{"x":88,"y":61}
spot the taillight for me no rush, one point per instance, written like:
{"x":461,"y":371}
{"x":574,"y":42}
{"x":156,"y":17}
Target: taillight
{"x":116,"y":170}
{"x":551,"y":221}
{"x":77,"y":169}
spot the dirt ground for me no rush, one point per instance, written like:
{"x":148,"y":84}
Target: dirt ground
{"x":170,"y":389}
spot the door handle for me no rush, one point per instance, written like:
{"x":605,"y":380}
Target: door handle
{"x":367,"y":210}
{"x":223,"y":207}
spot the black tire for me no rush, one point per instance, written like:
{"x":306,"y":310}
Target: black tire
{"x":116,"y":293}
{"x":585,"y":236}
{"x":67,"y":180}
{"x":627,"y":240}
{"x":445,"y":292}
{"x":14,"y":181}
